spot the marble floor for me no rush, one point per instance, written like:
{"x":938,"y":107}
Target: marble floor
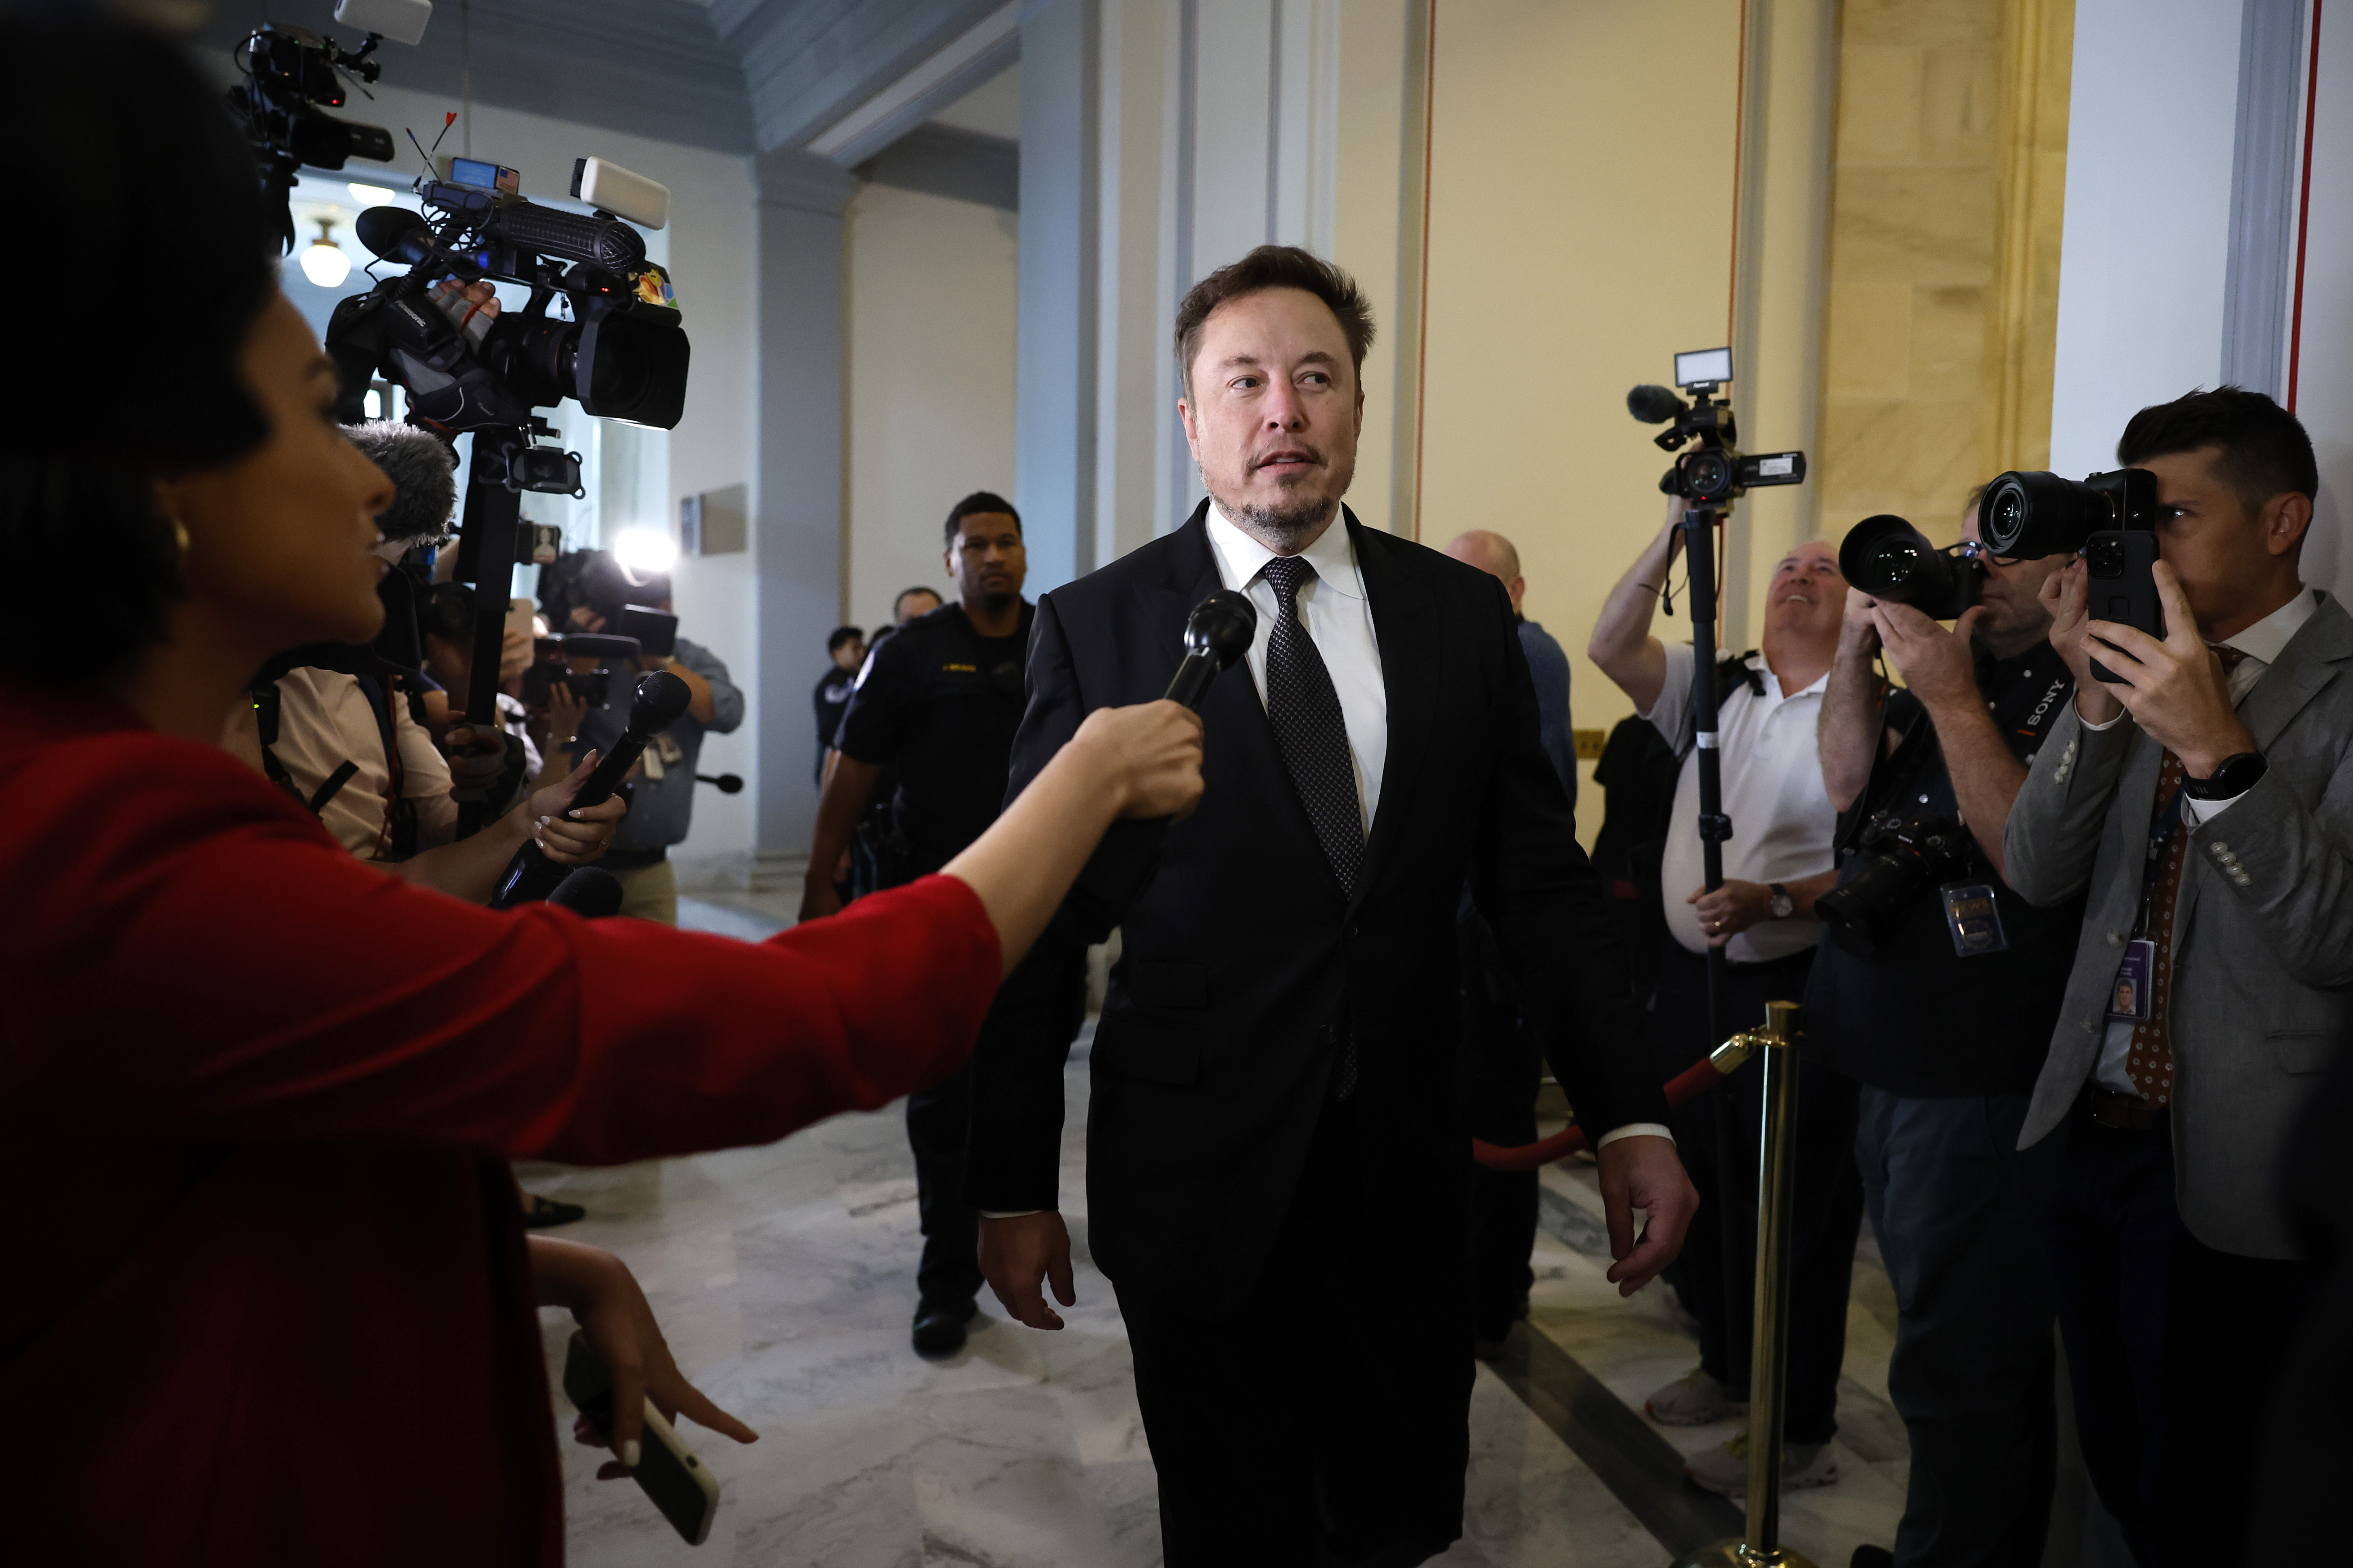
{"x":783,"y":1277}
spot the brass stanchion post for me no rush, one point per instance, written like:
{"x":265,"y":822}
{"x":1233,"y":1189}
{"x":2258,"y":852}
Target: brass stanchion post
{"x":1768,"y":1360}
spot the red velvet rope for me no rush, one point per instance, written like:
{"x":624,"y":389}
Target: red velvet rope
{"x":1688,"y":1085}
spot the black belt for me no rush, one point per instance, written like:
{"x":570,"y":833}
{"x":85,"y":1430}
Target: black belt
{"x":2124,"y":1113}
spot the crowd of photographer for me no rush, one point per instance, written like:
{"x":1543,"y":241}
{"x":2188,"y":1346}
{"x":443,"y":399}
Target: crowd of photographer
{"x":2076,"y":960}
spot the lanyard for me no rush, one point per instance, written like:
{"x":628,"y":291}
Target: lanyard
{"x":2160,"y":833}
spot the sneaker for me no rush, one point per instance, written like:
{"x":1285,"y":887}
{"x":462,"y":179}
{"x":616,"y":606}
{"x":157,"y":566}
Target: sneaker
{"x":1695,"y":1399}
{"x":1724,"y":1468}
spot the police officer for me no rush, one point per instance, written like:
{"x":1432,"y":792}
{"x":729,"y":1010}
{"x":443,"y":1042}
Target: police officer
{"x":939,"y":702}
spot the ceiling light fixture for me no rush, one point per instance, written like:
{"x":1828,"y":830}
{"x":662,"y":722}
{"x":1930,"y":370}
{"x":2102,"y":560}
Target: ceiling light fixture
{"x":323,"y":262}
{"x":371,"y":195}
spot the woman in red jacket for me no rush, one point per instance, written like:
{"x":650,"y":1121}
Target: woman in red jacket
{"x":268,"y":1299}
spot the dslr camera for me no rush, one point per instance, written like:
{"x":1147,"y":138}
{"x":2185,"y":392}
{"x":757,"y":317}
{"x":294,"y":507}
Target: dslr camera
{"x":1910,"y":851}
{"x":2108,"y":519}
{"x":1889,"y":559}
{"x":1715,"y":473}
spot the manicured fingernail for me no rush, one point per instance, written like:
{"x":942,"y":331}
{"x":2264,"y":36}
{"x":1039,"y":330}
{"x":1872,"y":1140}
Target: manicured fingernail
{"x":629,"y":1451}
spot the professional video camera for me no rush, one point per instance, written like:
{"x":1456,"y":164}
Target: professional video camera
{"x":1911,"y":850}
{"x":552,"y":666}
{"x":293,"y":75}
{"x":621,"y":353}
{"x":1714,"y":472}
{"x":1889,"y":559}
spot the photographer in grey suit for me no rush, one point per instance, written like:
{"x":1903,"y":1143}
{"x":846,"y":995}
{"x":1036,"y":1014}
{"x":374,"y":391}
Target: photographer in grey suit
{"x":2204,"y":803}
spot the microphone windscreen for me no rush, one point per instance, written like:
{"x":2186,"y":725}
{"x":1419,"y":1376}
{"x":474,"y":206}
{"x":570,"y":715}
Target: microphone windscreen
{"x":590,"y":891}
{"x":1653,"y":405}
{"x":396,"y":233}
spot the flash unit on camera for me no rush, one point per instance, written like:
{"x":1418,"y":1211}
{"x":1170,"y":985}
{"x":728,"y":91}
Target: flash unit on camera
{"x":401,"y":21}
{"x":610,"y":188}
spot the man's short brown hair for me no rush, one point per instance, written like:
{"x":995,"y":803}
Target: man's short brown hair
{"x":1275,"y":266}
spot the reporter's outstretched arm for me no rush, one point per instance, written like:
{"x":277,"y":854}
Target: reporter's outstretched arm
{"x":1622,"y":645}
{"x":1144,"y":762}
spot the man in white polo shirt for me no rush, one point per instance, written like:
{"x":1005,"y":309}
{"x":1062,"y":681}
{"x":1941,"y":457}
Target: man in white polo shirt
{"x":1777,"y":860}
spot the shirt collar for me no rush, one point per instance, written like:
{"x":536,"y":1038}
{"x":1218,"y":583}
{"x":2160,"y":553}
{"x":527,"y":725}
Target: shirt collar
{"x":2268,"y":638}
{"x":1242,"y":557}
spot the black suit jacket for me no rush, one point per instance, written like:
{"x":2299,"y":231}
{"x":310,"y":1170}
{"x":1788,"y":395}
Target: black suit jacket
{"x":1244,"y":962}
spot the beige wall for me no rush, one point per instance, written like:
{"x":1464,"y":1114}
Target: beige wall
{"x":1581,"y":234}
{"x":930,"y":365}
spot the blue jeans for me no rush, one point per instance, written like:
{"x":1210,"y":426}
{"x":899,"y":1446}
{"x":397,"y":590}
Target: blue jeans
{"x":1957,"y":1208}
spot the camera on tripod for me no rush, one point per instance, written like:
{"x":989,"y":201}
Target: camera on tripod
{"x":1715,"y":473}
{"x":293,"y":75}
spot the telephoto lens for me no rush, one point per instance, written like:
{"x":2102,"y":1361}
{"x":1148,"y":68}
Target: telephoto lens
{"x":1889,"y":559}
{"x":2027,"y":515}
{"x":1905,"y":854}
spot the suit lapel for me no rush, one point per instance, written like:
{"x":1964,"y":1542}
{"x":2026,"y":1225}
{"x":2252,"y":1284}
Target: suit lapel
{"x":1238,"y":733}
{"x":1402,"y":625}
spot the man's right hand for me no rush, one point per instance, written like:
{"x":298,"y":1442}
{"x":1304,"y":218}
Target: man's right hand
{"x":1020,"y":1255}
{"x":2066,"y":598}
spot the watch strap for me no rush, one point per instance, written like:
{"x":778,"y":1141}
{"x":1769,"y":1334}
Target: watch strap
{"x":2231,"y":777}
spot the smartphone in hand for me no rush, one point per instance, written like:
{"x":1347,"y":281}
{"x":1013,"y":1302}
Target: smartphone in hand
{"x":681,"y":1485}
{"x":2121,"y":585}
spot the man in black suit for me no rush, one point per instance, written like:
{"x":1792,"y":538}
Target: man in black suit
{"x":1275,"y":1171}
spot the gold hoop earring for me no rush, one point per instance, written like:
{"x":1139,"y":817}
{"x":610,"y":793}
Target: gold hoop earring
{"x":179,"y":535}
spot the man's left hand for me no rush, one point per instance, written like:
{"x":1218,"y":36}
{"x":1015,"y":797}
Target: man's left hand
{"x":1937,"y":665}
{"x":1725,"y":911}
{"x":2175,"y":688}
{"x":1643,"y":1172}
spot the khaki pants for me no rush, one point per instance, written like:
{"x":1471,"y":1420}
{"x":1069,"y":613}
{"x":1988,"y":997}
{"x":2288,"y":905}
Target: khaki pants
{"x":650,"y":893}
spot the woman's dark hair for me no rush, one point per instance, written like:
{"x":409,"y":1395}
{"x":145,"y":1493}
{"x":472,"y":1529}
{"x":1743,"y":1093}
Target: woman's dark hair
{"x":1275,"y":266}
{"x":974,"y":505}
{"x":138,"y":381}
{"x":2264,"y":452}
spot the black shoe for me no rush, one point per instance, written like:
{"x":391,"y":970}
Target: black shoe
{"x":1871,"y":1557}
{"x":940,"y":1327}
{"x":546,"y":1213}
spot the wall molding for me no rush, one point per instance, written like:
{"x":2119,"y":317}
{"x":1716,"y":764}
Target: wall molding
{"x":943,"y":161}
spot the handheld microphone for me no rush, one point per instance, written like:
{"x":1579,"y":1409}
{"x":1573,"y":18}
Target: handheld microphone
{"x":591,"y":892}
{"x":661,"y":698}
{"x":728,"y":783}
{"x":1218,"y":632}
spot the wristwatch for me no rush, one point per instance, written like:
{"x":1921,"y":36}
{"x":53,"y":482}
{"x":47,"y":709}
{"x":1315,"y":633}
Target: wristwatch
{"x":2232,"y":777}
{"x":1783,"y":906}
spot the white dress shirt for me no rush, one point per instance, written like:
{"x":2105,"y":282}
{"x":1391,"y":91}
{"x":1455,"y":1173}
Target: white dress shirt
{"x":1782,"y":821}
{"x":2262,"y":643}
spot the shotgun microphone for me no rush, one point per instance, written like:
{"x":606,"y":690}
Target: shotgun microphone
{"x":661,"y":698}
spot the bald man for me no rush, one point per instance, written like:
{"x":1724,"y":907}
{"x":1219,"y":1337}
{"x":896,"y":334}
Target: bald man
{"x":1778,"y":858}
{"x":1506,"y":1063}
{"x":1547,"y":665}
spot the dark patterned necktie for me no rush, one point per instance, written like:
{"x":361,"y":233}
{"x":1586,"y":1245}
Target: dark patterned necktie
{"x":1304,"y":709}
{"x":2151,"y":1063}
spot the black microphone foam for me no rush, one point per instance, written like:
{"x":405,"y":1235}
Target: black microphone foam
{"x":590,"y":891}
{"x":606,"y":243}
{"x":1653,"y":405}
{"x":396,"y":233}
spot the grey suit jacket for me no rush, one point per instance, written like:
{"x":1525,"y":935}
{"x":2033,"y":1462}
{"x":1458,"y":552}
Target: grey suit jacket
{"x":2263,"y":935}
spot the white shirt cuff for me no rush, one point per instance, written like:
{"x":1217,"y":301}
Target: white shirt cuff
{"x":1010,"y":1214}
{"x":1632,"y":1130}
{"x":2204,"y":811}
{"x":2096,"y":729}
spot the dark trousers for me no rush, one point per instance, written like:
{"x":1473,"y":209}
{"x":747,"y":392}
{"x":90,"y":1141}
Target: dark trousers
{"x":1717,"y":1135}
{"x":1341,"y":1443}
{"x":1506,"y":1067}
{"x":2173,"y":1347}
{"x":1048,"y":999}
{"x":1958,"y":1209}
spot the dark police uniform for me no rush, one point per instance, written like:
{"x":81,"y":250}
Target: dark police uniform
{"x":938,"y":704}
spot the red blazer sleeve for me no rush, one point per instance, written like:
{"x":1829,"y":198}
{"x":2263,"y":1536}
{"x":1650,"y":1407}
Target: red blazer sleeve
{"x":192,"y":957}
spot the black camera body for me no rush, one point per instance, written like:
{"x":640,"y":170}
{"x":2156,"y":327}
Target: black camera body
{"x":292,"y":76}
{"x":552,"y":666}
{"x":1889,"y":559}
{"x":2027,"y":515}
{"x":1911,"y":850}
{"x":1715,"y":473}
